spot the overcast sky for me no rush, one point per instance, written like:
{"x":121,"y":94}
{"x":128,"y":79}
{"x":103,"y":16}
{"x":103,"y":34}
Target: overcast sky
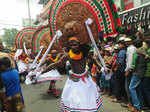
{"x":13,"y":11}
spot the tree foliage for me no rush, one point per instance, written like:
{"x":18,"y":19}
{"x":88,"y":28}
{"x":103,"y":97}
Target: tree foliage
{"x":9,"y":37}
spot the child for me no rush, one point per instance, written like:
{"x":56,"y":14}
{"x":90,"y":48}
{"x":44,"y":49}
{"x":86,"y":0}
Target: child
{"x":11,"y":83}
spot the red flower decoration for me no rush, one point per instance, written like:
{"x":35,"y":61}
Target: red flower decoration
{"x":108,"y":19}
{"x":103,"y":5}
{"x":100,"y":19}
{"x":98,"y":12}
{"x":94,"y":6}
{"x":109,"y":26}
{"x":102,"y":27}
{"x":114,"y":8}
{"x":119,"y":22}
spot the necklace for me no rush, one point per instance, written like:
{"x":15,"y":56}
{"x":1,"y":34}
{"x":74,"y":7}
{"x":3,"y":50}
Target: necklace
{"x":75,"y":56}
{"x":54,"y":60}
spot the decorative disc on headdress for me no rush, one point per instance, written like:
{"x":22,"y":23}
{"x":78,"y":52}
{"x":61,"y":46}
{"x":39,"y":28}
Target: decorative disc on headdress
{"x":69,"y":16}
{"x":25,"y":35}
{"x":42,"y":38}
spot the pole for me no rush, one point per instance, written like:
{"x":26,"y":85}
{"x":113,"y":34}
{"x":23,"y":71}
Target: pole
{"x":29,"y":13}
{"x":87,"y":23}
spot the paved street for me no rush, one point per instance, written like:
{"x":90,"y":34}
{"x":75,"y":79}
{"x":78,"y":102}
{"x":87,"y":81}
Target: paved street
{"x":36,"y":99}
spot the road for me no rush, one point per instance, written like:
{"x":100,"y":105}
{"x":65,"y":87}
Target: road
{"x":36,"y":99}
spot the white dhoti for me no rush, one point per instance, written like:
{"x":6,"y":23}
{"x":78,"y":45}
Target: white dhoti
{"x":48,"y":76}
{"x":81,"y":96}
{"x":51,"y":75}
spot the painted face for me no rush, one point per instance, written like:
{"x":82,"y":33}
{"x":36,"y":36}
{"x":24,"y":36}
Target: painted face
{"x":74,"y":44}
{"x":54,"y":53}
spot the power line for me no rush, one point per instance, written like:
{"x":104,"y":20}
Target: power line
{"x":4,"y":19}
{"x":6,"y":24}
{"x":29,"y":13}
{"x":13,"y":25}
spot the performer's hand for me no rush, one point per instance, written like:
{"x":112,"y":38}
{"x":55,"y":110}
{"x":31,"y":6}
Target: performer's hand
{"x":32,"y":77}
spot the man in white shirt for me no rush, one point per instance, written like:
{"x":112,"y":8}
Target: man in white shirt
{"x":131,"y":49}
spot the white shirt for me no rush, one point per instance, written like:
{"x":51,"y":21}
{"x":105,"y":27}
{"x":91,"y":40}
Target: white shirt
{"x":129,"y":56}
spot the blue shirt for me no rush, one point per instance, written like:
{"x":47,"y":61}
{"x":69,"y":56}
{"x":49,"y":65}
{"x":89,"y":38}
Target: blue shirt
{"x":11,"y":82}
{"x":121,"y":60}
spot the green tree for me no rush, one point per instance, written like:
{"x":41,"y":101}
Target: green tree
{"x":1,"y":40}
{"x":9,"y":37}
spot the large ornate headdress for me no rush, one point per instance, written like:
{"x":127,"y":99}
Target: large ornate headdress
{"x":69,"y":16}
{"x":25,"y":35}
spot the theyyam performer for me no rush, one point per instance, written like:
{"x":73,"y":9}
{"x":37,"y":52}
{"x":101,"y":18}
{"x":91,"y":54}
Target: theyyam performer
{"x":23,"y":53}
{"x":80,"y":92}
{"x":35,"y":76}
{"x":70,"y":16}
{"x":52,"y":58}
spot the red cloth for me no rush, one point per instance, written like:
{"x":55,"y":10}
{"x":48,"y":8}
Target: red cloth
{"x":82,"y":77}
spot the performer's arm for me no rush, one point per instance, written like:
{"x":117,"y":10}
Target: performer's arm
{"x":60,"y":62}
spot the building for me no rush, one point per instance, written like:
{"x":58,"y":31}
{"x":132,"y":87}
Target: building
{"x":124,"y":5}
{"x":42,"y":18}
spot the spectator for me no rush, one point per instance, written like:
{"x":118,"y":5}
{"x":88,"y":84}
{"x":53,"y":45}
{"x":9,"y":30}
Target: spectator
{"x":10,"y":78}
{"x":120,"y":72}
{"x":146,"y":79}
{"x":106,"y":76}
{"x":139,"y":68}
{"x":113,"y":70}
{"x":131,"y":49}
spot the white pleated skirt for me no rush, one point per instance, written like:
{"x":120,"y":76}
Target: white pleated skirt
{"x":48,"y":76}
{"x":81,"y":97}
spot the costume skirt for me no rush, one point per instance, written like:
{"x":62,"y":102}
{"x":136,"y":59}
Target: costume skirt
{"x":48,"y":76}
{"x":51,"y":75}
{"x":81,"y":97}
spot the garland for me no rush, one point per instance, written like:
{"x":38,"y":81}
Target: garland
{"x":54,"y":60}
